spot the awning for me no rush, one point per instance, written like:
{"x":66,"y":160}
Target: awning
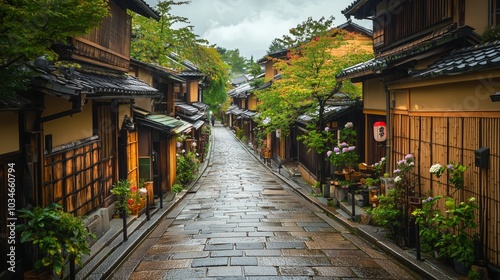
{"x":248,"y":114}
{"x":198,"y":124}
{"x":162,"y":122}
{"x":186,"y":109}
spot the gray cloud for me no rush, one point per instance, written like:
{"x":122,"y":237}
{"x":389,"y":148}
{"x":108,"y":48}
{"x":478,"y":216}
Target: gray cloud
{"x":251,"y":25}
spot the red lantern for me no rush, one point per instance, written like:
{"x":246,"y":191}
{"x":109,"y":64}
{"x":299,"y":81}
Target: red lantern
{"x":380,"y":131}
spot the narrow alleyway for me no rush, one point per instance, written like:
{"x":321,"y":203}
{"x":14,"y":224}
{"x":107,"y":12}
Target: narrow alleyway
{"x":242,"y":222}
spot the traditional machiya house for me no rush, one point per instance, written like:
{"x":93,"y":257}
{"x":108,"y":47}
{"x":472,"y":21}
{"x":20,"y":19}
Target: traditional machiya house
{"x":275,"y":145}
{"x":339,"y":111}
{"x":74,"y":138}
{"x":189,"y":107}
{"x":157,"y":126}
{"x":434,"y":82}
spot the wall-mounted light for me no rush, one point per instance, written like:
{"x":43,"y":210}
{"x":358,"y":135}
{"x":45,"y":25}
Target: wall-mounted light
{"x":495,"y":97}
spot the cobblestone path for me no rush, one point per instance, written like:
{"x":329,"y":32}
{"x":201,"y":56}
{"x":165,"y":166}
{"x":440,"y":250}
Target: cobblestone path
{"x":244,"y":223}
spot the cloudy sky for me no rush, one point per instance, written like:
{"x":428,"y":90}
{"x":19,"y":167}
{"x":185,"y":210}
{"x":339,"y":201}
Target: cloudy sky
{"x":251,"y":25}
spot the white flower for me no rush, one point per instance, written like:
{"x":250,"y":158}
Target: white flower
{"x":349,"y":125}
{"x":435,"y":168}
{"x":397,"y":179}
{"x":143,"y":190}
{"x":382,"y":159}
{"x":183,"y":151}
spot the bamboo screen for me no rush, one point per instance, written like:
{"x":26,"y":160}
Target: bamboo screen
{"x":72,"y":178}
{"x":454,"y":139}
{"x":132,"y":157}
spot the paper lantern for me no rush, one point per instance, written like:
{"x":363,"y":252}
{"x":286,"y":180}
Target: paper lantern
{"x":379,"y":131}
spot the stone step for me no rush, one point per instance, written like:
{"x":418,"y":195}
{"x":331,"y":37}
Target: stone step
{"x":347,"y":208}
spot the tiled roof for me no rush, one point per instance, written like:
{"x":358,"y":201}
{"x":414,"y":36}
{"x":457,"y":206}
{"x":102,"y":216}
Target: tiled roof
{"x":331,"y":111}
{"x":349,"y":25}
{"x":354,"y":7}
{"x":163,"y":123}
{"x":116,"y":85}
{"x":247,"y":114}
{"x":142,"y":8}
{"x":189,"y":112}
{"x":364,"y":68}
{"x":186,"y":108}
{"x":463,"y":60}
{"x":200,"y":105}
{"x":191,"y":74}
{"x":419,"y":46}
{"x":8,"y":102}
{"x":164,"y":72}
{"x":240,"y":91}
{"x":336,"y":106}
{"x":197,"y":124}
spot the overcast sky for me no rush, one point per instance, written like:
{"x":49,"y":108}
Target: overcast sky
{"x":251,"y":25}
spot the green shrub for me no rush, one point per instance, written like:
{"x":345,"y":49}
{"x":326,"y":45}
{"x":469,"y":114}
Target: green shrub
{"x":177,"y":188}
{"x":187,"y":166}
{"x":388,"y":213}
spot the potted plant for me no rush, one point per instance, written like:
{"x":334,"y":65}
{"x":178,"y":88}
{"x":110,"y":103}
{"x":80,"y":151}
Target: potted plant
{"x":429,"y":219}
{"x":57,"y":236}
{"x":456,"y":223}
{"x":344,"y":156}
{"x":123,"y":192}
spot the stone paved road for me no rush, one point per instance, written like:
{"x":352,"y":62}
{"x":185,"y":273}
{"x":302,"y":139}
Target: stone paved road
{"x":244,"y":223}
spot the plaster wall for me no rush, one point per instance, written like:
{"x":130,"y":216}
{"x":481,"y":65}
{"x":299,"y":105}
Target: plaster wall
{"x":70,"y":128}
{"x":373,"y":95}
{"x":123,"y":109}
{"x":9,"y":123}
{"x":466,"y":96}
{"x":474,"y":8}
{"x":193,"y":91}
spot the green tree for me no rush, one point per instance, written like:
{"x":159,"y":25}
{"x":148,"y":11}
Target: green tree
{"x":275,"y":46}
{"x":308,"y":81}
{"x":155,"y":40}
{"x":29,"y":28}
{"x":236,"y":62}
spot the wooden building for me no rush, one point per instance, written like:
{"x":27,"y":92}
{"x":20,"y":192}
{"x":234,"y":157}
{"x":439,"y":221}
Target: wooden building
{"x":157,"y":126}
{"x":72,"y":138}
{"x":434,"y":81}
{"x":286,"y":148}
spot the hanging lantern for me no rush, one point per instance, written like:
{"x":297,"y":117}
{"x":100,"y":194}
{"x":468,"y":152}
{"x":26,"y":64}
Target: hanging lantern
{"x":379,"y":131}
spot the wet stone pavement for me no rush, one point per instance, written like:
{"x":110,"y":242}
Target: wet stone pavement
{"x":242,"y":222}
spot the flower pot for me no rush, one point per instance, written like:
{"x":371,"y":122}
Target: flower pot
{"x":460,"y":267}
{"x":149,"y":186}
{"x":142,"y":203}
{"x":326,"y":190}
{"x":134,"y":209}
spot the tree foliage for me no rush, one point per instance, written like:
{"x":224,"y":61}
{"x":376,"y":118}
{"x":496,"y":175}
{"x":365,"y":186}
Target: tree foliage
{"x":308,"y":79}
{"x":154,"y":41}
{"x":275,"y":46}
{"x":29,"y":27}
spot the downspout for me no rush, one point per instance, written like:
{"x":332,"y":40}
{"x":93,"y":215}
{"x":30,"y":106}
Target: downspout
{"x":388,"y":132}
{"x":76,"y":108}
